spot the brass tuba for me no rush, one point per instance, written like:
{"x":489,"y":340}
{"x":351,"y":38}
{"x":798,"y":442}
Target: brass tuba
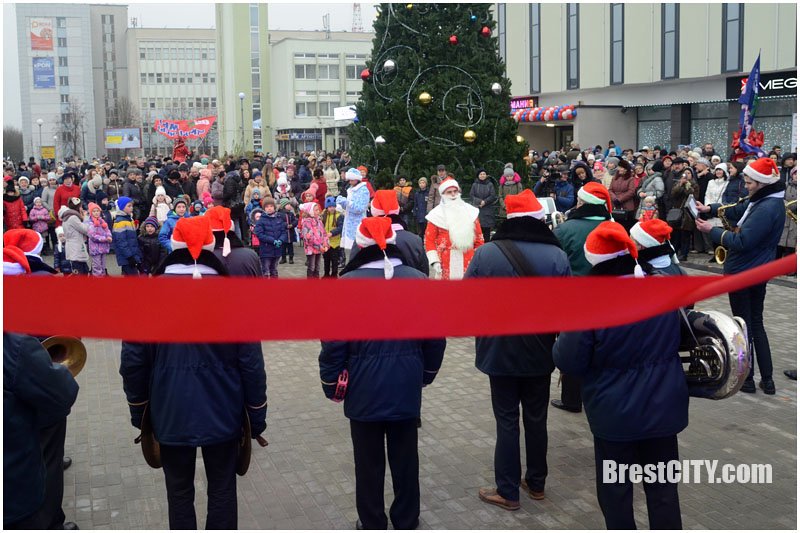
{"x":718,"y":360}
{"x":720,"y":252}
{"x":67,"y":351}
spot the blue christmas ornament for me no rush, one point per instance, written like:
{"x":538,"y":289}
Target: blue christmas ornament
{"x":355,"y":120}
{"x":473,"y":18}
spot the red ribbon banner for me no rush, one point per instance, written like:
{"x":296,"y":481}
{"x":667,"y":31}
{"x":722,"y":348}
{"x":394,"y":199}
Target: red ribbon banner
{"x":185,"y":129}
{"x":238,"y":310}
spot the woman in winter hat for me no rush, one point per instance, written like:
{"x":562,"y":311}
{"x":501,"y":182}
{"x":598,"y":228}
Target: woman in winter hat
{"x":510,"y":183}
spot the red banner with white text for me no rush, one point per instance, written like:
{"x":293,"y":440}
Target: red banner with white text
{"x":185,"y":129}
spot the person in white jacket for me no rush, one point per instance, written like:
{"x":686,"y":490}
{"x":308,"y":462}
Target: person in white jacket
{"x":714,"y":193}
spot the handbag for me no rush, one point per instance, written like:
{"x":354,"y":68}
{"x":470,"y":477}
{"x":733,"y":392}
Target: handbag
{"x":619,"y":215}
{"x":674,"y":216}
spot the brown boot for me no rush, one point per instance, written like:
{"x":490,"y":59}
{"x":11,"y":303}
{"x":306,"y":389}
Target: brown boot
{"x":534,"y":494}
{"x":491,"y":496}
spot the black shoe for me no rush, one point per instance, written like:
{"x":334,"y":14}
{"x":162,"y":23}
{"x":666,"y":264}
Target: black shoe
{"x":748,"y":386}
{"x":791,"y":374}
{"x":291,"y":260}
{"x":359,"y":525}
{"x":282,"y":261}
{"x":70,"y":525}
{"x":682,"y":258}
{"x":67,"y":462}
{"x":767,"y":385}
{"x":558,"y":404}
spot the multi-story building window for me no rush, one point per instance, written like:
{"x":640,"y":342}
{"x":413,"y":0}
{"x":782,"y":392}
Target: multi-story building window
{"x":573,"y":42}
{"x":328,"y":72}
{"x":63,"y":81}
{"x":617,"y":43}
{"x":732,"y":37}
{"x":536,"y":49}
{"x":670,"y":14}
{"x":62,"y":42}
{"x":305,"y":72}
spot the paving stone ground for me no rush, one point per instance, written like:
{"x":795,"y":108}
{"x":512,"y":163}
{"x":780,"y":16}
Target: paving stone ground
{"x":305,"y":478}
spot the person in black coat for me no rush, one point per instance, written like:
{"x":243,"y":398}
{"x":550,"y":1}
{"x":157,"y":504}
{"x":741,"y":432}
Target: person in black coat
{"x":384,"y":394}
{"x":634,"y":391}
{"x":132,"y":188}
{"x":519,"y":366}
{"x":37,"y":397}
{"x":152,"y":251}
{"x":196,"y":395}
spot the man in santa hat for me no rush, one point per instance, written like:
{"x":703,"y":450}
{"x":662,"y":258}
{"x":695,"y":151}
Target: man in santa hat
{"x":594,"y":207}
{"x":383,"y":391}
{"x":239,"y":259}
{"x":453,"y":233}
{"x":385,"y":204}
{"x":656,"y":254}
{"x":759,"y":222}
{"x":634,"y":391}
{"x":518,"y":366}
{"x":31,"y":244}
{"x":218,"y":383}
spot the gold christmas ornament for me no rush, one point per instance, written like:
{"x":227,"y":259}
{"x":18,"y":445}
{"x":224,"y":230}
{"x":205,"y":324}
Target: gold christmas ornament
{"x":520,"y":139}
{"x":409,"y":6}
{"x":470,"y":136}
{"x":425,"y":98}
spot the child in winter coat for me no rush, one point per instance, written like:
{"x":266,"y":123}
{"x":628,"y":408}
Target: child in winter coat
{"x":255,"y":215}
{"x":333,"y":221}
{"x":151,"y":250}
{"x":255,"y":201}
{"x":287,"y":212}
{"x":99,"y":239}
{"x":208,"y":201}
{"x":271,"y":230}
{"x":315,"y":240}
{"x":198,"y":208}
{"x":126,"y":245}
{"x":39,"y":217}
{"x":60,"y":262}
{"x":162,"y":205}
{"x":649,"y":210}
{"x":105,"y":210}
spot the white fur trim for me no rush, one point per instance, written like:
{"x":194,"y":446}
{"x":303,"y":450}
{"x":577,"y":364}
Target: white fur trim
{"x":13,"y":269}
{"x":595,"y":259}
{"x":456,"y":264}
{"x":187,"y":270}
{"x":363,"y":241}
{"x":759,"y":177}
{"x":433,"y":257}
{"x":448,"y":184}
{"x":642,"y":237}
{"x":540,"y":214}
{"x":590,"y":198}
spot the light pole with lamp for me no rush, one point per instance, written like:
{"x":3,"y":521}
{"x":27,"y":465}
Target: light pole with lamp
{"x":39,"y":123}
{"x":55,"y":150}
{"x":241,"y":105}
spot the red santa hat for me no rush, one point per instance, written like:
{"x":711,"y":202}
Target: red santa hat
{"x":220,"y":219}
{"x":651,"y":233}
{"x":447,"y":184}
{"x":596,"y":194}
{"x":524,"y":204}
{"x":377,"y":231}
{"x":27,"y":240}
{"x":607,"y":241}
{"x":195,"y":235}
{"x":14,"y":261}
{"x":763,"y":170}
{"x":384,"y":203}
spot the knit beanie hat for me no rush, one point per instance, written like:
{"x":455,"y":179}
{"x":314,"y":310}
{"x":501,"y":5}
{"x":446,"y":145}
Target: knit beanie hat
{"x":377,"y":231}
{"x":524,"y":204}
{"x":195,"y":235}
{"x":594,"y":193}
{"x":308,"y":208}
{"x":608,"y":241}
{"x":283,"y":203}
{"x":161,"y":190}
{"x":330,"y":201}
{"x":153,"y":221}
{"x":220,"y":219}
{"x":123,"y":201}
{"x":179,"y":200}
{"x":384,"y":203}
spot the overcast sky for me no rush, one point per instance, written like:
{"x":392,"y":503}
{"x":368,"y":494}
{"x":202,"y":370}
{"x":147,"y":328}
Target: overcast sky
{"x":192,"y":14}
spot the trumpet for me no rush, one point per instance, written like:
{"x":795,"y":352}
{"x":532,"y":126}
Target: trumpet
{"x":720,"y":252}
{"x":67,"y":351}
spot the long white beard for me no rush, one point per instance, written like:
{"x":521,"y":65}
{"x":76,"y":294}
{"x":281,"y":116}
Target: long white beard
{"x":460,"y":223}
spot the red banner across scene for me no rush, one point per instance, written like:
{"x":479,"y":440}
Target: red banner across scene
{"x":238,"y":310}
{"x":185,"y":129}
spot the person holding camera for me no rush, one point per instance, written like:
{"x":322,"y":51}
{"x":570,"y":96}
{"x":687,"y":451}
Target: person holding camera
{"x":681,"y":191}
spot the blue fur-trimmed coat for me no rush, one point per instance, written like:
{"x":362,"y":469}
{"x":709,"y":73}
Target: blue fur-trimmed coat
{"x":357,"y":203}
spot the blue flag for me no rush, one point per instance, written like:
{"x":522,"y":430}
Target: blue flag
{"x":749,"y":101}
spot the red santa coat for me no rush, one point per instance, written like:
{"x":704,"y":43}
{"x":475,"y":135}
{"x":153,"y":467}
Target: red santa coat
{"x":439,"y":246}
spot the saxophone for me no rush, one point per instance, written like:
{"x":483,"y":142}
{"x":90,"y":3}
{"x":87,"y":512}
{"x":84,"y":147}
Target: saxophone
{"x":791,"y":210}
{"x":720,"y":252}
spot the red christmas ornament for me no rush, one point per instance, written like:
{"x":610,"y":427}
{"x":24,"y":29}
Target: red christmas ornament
{"x":486,"y":32}
{"x":453,"y":40}
{"x":365,"y":74}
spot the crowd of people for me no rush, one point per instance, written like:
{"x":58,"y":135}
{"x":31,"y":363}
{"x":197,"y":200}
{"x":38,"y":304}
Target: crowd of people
{"x":627,"y":213}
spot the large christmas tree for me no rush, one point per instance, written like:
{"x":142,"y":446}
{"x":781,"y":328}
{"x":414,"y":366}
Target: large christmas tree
{"x":434,"y":93}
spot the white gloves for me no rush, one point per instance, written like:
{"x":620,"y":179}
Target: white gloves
{"x":436,"y":270}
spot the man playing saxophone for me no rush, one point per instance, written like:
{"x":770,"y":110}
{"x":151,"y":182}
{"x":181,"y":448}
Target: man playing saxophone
{"x":758,"y":224}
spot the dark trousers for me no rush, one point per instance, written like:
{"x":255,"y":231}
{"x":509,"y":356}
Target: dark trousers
{"x":508,"y":392}
{"x":79,"y":268}
{"x":370,"y":462}
{"x":616,"y":499}
{"x":269,"y":266}
{"x":748,"y":304}
{"x":421,"y":227}
{"x":288,"y":250}
{"x":220,"y":464}
{"x":128,"y":270}
{"x":330,"y":261}
{"x":487,"y":233}
{"x":571,"y":391}
{"x":683,"y":242}
{"x":312,"y":262}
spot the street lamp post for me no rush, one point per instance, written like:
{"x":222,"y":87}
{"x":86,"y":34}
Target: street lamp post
{"x":55,"y":150}
{"x":241,"y":105}
{"x":39,"y":123}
